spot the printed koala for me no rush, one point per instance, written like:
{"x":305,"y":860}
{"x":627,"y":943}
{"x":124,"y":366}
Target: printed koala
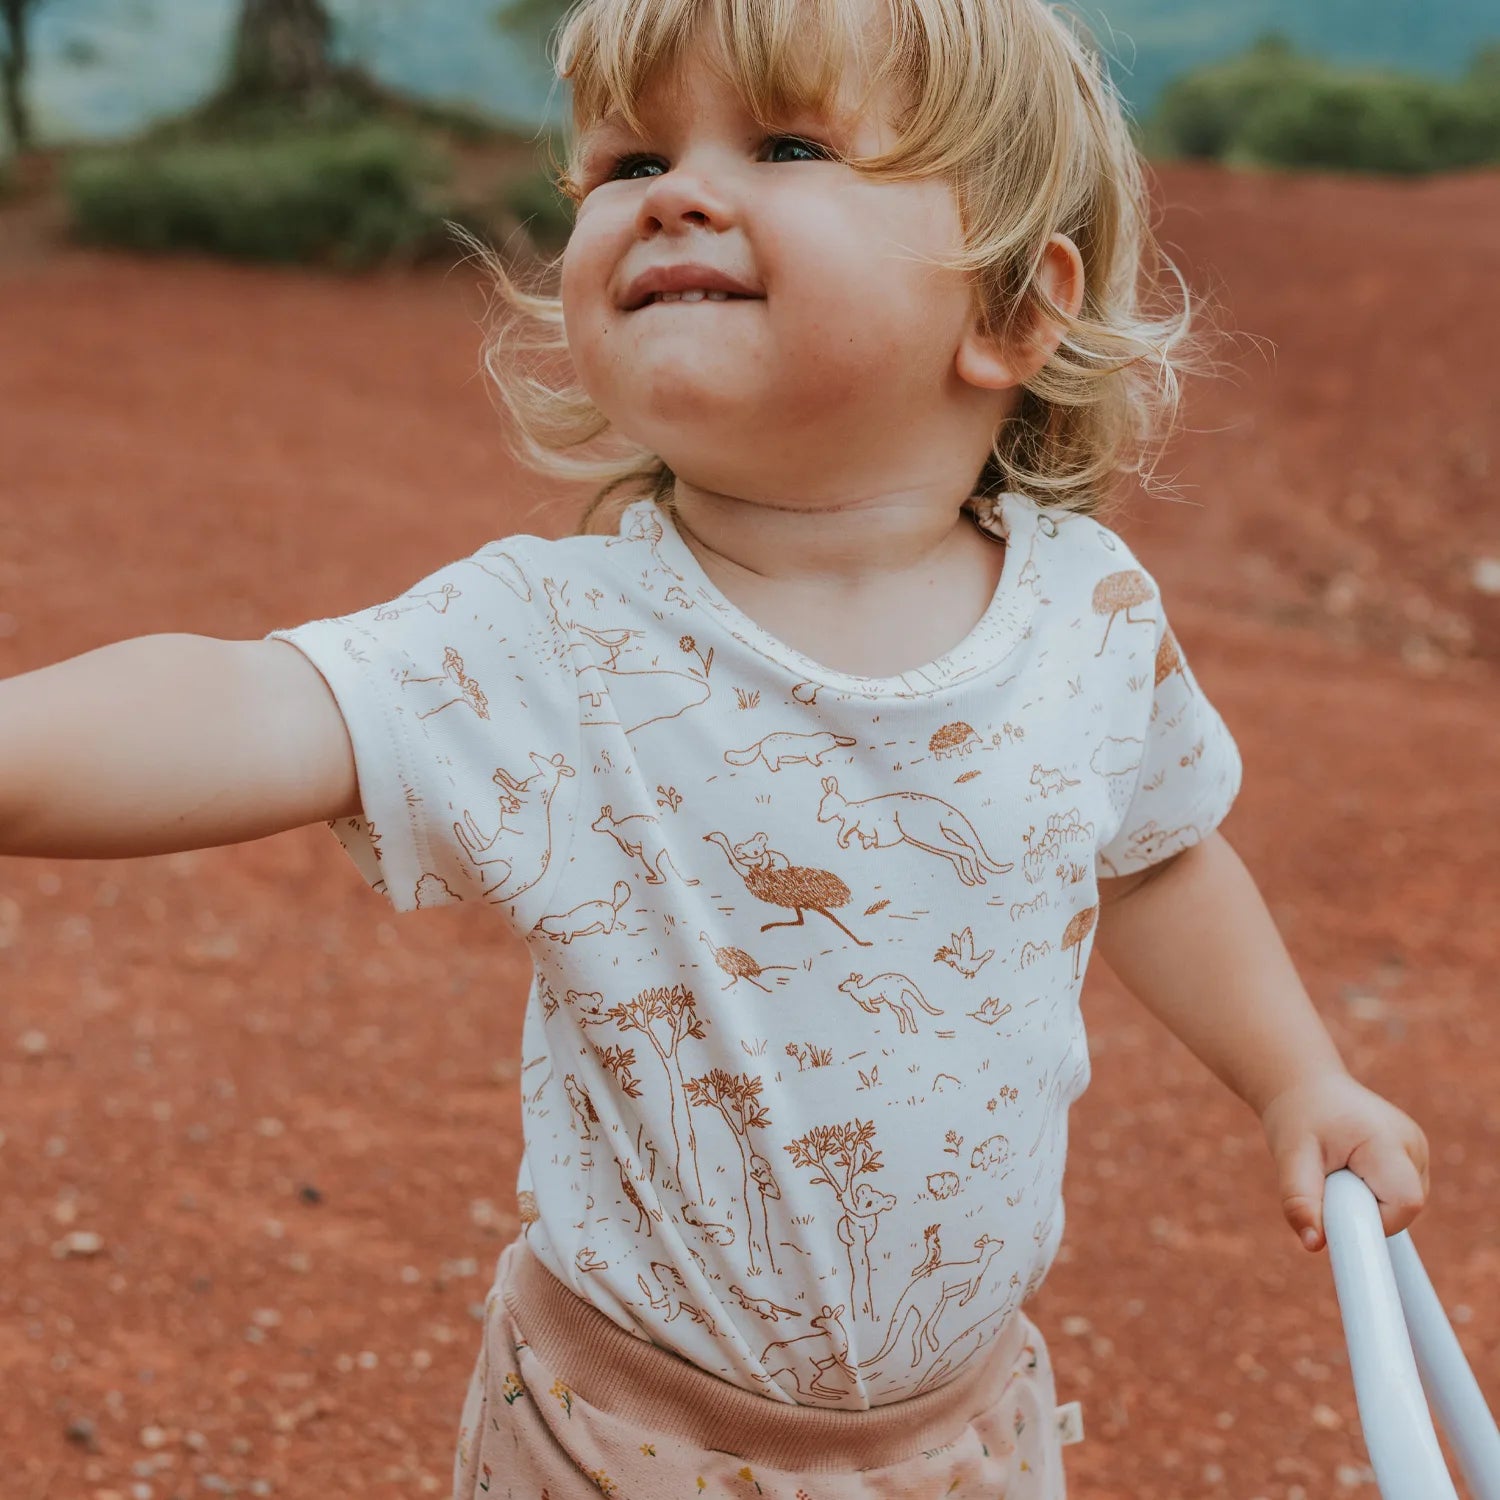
{"x":842,"y":732}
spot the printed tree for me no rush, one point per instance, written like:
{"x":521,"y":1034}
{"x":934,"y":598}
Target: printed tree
{"x":736,"y":1096}
{"x":619,"y":1061}
{"x":665,"y":1017}
{"x":840,"y":1154}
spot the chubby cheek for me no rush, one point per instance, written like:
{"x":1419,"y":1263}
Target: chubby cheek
{"x":588,"y":319}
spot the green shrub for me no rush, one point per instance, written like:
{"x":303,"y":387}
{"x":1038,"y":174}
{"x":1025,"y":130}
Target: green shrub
{"x":1371,"y":123}
{"x":1201,"y":114}
{"x":548,"y":215}
{"x":1271,"y":107}
{"x":350,"y":198}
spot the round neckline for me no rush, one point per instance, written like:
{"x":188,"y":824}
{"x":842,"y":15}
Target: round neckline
{"x":1010,"y":516}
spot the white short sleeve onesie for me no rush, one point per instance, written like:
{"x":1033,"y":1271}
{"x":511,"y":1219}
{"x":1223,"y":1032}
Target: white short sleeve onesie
{"x":804,"y":1027}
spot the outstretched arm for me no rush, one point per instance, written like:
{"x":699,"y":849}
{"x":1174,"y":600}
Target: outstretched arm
{"x":1193,"y":940}
{"x":169,"y":742}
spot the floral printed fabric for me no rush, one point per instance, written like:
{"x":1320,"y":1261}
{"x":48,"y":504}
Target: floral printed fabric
{"x":804,"y":1029}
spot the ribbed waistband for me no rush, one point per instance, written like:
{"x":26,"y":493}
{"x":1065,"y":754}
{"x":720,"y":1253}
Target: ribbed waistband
{"x":660,"y":1391}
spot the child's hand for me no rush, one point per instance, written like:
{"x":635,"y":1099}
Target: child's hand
{"x":1333,"y":1121}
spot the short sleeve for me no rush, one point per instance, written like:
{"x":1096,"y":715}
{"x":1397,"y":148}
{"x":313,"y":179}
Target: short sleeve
{"x":1175,"y":766}
{"x":462,"y":708}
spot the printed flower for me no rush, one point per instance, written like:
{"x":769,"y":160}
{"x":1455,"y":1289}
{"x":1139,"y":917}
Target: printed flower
{"x":749,"y":1478}
{"x":564,"y":1395}
{"x":687,"y":643}
{"x":512,"y":1389}
{"x":649,"y":1449}
{"x":604,"y":1484}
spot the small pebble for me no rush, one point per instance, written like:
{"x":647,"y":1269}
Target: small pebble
{"x":82,"y":1431}
{"x":34,"y":1043}
{"x":78,"y":1242}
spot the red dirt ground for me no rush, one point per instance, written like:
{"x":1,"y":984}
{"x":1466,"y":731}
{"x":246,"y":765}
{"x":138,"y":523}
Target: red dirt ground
{"x":191,"y":1045}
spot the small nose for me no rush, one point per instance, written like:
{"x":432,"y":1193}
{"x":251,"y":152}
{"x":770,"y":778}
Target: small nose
{"x":684,"y":197}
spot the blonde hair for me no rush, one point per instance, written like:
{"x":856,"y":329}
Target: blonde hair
{"x":1010,"y":103}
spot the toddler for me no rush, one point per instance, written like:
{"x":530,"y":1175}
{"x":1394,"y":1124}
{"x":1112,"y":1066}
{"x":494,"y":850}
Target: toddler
{"x":812,"y":769}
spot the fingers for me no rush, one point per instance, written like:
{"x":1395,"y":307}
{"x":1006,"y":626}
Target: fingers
{"x":1302,"y":1176}
{"x":1392,"y":1171}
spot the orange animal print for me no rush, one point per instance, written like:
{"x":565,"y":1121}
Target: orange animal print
{"x":608,"y":694}
{"x":958,"y":953}
{"x":667,"y":1297}
{"x":777,"y":881}
{"x":1050,"y":781}
{"x":1147,"y":843}
{"x":643,"y":834}
{"x":715,"y":1234}
{"x":841,"y":1154}
{"x":891,"y":990}
{"x":784,"y":748}
{"x":991,"y":1009}
{"x":993,"y":1151}
{"x":588,"y":1260}
{"x":469,"y":690}
{"x":438,"y":601}
{"x":926,"y":823}
{"x":956,"y":738}
{"x":799,"y":1357}
{"x":762,"y":1307}
{"x":738,"y":964}
{"x":644,"y":1215}
{"x":757,"y":853}
{"x":583,"y":1107}
{"x":766,"y":1186}
{"x":587,"y":917}
{"x":529,"y":803}
{"x":928,"y":1293}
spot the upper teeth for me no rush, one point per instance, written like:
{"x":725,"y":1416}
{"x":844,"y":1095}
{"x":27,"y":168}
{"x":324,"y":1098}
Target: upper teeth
{"x":696,"y":295}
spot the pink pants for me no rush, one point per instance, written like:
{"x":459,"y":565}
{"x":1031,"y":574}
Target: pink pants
{"x":565,"y":1405}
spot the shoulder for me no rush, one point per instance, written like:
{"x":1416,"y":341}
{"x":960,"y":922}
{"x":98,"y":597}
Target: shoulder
{"x":1082,"y":554}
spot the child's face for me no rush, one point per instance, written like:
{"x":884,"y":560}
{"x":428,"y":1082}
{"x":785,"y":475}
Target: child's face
{"x":839,"y":380}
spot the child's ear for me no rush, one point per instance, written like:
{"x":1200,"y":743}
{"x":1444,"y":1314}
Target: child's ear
{"x":984,"y":361}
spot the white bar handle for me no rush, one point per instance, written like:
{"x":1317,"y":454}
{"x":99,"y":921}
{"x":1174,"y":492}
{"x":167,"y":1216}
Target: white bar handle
{"x":1449,"y":1382}
{"x":1393,"y":1411}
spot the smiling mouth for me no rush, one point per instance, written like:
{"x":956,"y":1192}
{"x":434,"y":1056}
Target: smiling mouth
{"x":660,"y":299}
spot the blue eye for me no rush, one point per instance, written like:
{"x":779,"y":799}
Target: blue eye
{"x":623,"y":166}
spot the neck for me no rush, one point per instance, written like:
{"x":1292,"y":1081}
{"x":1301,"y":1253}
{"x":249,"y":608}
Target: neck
{"x":847,"y":546}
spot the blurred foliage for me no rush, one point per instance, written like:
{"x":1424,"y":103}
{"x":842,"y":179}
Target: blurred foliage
{"x":297,"y":159}
{"x":1271,"y":107}
{"x":531,"y":20}
{"x":15,"y":68}
{"x":349,"y":198}
{"x":548,"y":216}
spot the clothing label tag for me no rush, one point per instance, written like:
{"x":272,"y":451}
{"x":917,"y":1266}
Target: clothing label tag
{"x":1070,"y":1423}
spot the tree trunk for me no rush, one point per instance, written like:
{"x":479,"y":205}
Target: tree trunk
{"x":15,"y":62}
{"x":281,"y":50}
